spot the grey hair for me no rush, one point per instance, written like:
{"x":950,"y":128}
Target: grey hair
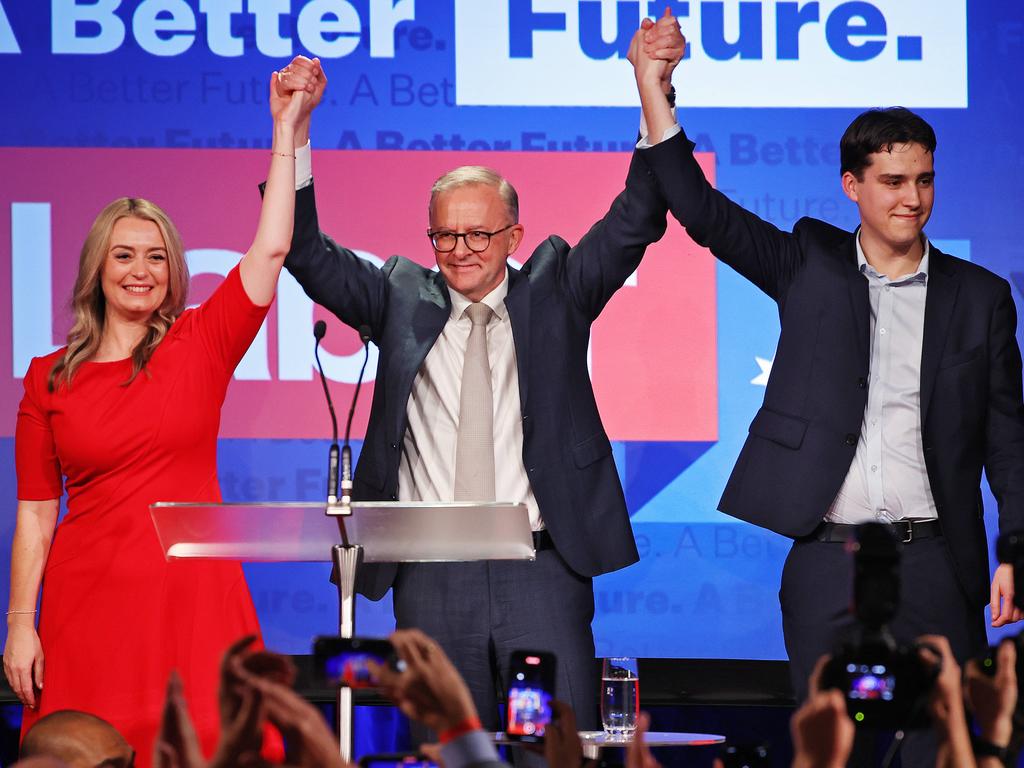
{"x":467,"y":175}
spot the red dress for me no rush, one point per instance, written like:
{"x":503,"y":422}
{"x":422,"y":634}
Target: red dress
{"x":116,"y":617}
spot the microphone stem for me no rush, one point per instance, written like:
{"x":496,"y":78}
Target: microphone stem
{"x":332,"y":457}
{"x":346,"y":450}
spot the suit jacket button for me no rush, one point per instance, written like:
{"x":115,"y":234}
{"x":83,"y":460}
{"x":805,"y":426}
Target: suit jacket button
{"x":851,"y":439}
{"x":862,"y":383}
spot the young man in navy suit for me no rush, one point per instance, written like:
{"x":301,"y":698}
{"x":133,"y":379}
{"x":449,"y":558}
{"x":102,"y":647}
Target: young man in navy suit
{"x":897,"y":380}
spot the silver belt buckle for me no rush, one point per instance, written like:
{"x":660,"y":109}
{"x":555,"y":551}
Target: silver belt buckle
{"x":908,"y":535}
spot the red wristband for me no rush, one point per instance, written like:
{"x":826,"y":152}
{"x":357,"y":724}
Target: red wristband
{"x":460,"y":729}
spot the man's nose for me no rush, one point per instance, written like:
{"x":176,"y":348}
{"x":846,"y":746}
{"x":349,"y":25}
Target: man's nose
{"x":462,"y":248}
{"x":912,"y":196}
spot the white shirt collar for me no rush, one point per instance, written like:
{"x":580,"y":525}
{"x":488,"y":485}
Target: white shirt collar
{"x":922,"y":269}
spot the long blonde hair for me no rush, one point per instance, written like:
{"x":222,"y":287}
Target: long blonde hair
{"x":89,"y":304}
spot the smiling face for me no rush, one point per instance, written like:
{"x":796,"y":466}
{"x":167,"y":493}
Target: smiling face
{"x":474,"y":207}
{"x":894,"y":197}
{"x":135,"y":270}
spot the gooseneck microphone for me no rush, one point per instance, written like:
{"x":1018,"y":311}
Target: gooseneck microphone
{"x":346,"y":452}
{"x":319,"y":331}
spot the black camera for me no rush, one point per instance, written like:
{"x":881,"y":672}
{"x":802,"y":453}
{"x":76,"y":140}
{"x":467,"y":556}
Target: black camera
{"x":885,"y":683}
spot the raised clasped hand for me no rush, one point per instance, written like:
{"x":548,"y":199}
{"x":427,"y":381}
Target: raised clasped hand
{"x":296,"y":90}
{"x":656,"y":49}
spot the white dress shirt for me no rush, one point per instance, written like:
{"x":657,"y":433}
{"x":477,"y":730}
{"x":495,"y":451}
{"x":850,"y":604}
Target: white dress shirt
{"x":888,"y":479}
{"x":427,"y":468}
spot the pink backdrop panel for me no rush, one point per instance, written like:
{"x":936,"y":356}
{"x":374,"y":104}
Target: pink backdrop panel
{"x":653,"y":349}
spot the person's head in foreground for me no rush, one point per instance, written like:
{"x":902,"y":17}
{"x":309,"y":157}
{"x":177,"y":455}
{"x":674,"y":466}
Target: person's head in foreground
{"x":79,"y":740}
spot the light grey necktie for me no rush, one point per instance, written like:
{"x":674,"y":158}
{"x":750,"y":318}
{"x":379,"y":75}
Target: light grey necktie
{"x":474,"y":453}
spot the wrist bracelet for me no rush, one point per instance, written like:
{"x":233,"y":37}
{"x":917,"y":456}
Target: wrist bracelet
{"x":10,"y":612}
{"x":460,"y":729}
{"x":282,"y":154}
{"x":671,"y":96}
{"x":984,"y":748}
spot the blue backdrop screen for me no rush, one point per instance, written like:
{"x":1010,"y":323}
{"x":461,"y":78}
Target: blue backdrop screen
{"x":169,"y":97}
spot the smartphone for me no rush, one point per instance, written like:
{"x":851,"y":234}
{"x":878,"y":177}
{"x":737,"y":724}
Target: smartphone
{"x":343,"y":661}
{"x":531,"y":687}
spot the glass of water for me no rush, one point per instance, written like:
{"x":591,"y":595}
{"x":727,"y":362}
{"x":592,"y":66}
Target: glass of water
{"x":620,"y":697}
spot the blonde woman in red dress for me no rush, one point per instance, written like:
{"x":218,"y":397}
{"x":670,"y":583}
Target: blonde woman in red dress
{"x":125,"y":415}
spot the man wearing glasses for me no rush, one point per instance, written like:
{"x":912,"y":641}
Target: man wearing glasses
{"x":483,"y":393}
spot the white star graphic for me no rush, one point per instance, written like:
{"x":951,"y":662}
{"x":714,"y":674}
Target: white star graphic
{"x":761,"y":379}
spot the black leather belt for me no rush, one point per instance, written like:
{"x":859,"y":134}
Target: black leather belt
{"x":542,"y":540}
{"x":907,"y":531}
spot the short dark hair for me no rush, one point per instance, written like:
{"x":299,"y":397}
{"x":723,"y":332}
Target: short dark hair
{"x":879,"y":130}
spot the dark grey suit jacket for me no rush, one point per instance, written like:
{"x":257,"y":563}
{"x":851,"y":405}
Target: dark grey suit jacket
{"x":552,"y":303}
{"x":802,"y":441}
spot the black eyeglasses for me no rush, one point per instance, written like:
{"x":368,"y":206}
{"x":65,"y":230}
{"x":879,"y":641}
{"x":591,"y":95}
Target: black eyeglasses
{"x":476,"y":240}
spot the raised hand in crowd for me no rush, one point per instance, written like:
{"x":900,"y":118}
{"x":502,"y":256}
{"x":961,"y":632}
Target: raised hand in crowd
{"x":176,"y":745}
{"x":309,"y":742}
{"x":821,"y":728}
{"x":429,"y":690}
{"x":562,"y":745}
{"x":638,"y":754}
{"x":239,"y":702}
{"x":992,"y":700}
{"x":432,"y":752}
{"x":946,"y":704}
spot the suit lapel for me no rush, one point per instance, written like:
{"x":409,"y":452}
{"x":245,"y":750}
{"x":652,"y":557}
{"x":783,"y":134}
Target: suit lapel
{"x":860,"y":303}
{"x":517,"y":302}
{"x":429,"y":316}
{"x":938,"y":311}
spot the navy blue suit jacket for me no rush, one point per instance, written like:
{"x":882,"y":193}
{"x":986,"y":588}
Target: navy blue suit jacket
{"x":802,"y":440}
{"x":551,"y":304}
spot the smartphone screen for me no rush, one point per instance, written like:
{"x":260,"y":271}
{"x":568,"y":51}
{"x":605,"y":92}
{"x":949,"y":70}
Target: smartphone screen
{"x":343,"y":661}
{"x":870,"y":682}
{"x":531,"y":687}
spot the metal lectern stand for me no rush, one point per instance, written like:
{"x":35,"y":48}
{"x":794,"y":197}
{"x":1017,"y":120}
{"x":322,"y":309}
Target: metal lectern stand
{"x":373,"y":532}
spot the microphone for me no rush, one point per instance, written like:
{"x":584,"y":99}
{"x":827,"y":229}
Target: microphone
{"x":319,"y":331}
{"x":346,"y":452}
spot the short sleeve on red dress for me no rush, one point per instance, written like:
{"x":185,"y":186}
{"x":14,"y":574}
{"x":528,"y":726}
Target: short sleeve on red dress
{"x":228,"y":321}
{"x":38,"y":468}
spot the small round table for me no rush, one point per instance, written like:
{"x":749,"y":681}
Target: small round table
{"x":595,"y":741}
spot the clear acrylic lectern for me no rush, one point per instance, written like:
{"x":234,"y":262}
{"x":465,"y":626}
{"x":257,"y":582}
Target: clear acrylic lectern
{"x":379,"y":532}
